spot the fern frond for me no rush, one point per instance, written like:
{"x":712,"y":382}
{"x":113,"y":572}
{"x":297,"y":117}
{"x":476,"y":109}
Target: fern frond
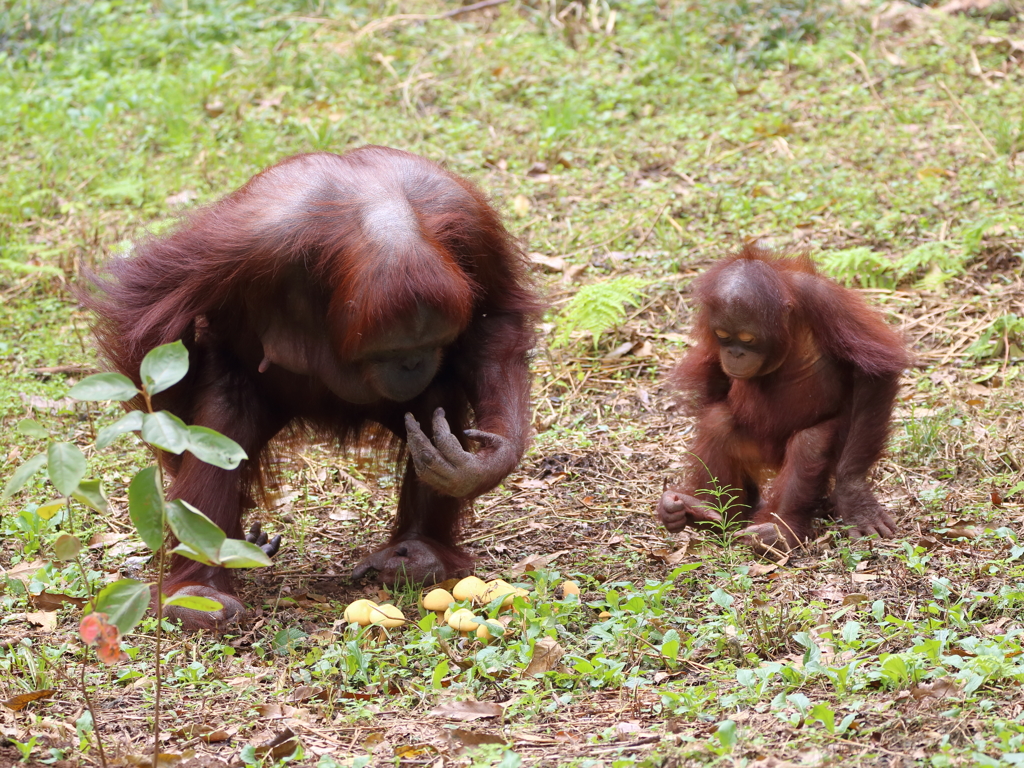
{"x":598,"y":307}
{"x":861,"y":266}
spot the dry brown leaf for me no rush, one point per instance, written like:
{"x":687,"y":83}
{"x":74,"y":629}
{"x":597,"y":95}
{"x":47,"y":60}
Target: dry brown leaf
{"x":943,"y":688}
{"x":45,"y":620}
{"x":45,"y":404}
{"x":163,"y":760}
{"x":860,"y":578}
{"x":373,"y":738}
{"x":899,"y":16}
{"x":279,"y":712}
{"x":830,"y":593}
{"x":469,"y":738}
{"x":646,"y":349}
{"x":22,"y":700}
{"x":620,"y":351}
{"x":546,"y":655}
{"x":205,"y":733}
{"x":280,"y":746}
{"x":964,"y":654}
{"x":561,"y":737}
{"x":669,"y":557}
{"x":52,"y":601}
{"x":408,"y":752}
{"x":773,"y":762}
{"x":186,"y":196}
{"x":106,"y":539}
{"x":855,"y":598}
{"x":468,"y":710}
{"x":550,"y":263}
{"x":23,"y":572}
{"x":760,"y":569}
{"x":627,"y":729}
{"x":573,"y":272}
{"x":521,"y":205}
{"x":1015,"y":46}
{"x":960,"y":532}
{"x":305,"y":693}
{"x":534,"y":563}
{"x":996,"y":627}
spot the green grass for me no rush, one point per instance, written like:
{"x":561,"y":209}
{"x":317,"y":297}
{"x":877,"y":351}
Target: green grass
{"x":637,"y":141}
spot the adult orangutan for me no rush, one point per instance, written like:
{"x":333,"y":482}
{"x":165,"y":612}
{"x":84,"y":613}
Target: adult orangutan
{"x":793,"y":374}
{"x":338,"y":295}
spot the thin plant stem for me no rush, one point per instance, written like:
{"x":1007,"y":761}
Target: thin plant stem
{"x":161,"y":560}
{"x":95,"y":722}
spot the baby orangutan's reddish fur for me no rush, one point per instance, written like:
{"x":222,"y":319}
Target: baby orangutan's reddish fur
{"x":337,"y":295}
{"x":792,"y":374}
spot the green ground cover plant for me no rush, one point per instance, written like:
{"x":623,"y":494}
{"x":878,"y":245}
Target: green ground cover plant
{"x":628,"y":145}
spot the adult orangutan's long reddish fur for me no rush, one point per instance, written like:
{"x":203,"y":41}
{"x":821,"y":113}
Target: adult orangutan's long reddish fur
{"x":338,"y":295}
{"x":794,"y":374}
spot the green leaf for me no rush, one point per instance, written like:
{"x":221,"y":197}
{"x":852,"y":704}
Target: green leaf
{"x":670,"y":645}
{"x":851,"y":631}
{"x":51,"y":508}
{"x":66,"y":466}
{"x":238,"y":553}
{"x":104,"y":386}
{"x":679,"y":570}
{"x":192,"y":554}
{"x":845,"y":724}
{"x":23,"y":474}
{"x":824,"y":713}
{"x":214,"y":448}
{"x":726,"y":733}
{"x":90,"y":493}
{"x":195,"y":530}
{"x":800,"y":701}
{"x":165,"y":431}
{"x":286,"y":639}
{"x":125,"y":603}
{"x":163,"y":367}
{"x":722,"y":598}
{"x":146,"y":507}
{"x":32,"y":428}
{"x":130,"y":422}
{"x":194,"y":602}
{"x":440,"y":673}
{"x":67,"y":547}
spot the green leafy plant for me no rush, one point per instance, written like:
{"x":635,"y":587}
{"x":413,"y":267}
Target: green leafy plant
{"x":598,"y":307}
{"x":117,"y":608}
{"x":859,"y":266}
{"x":935,"y":262}
{"x":724,"y":500}
{"x":1001,"y":339}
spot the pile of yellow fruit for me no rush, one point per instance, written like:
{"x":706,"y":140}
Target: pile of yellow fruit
{"x":470,"y":589}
